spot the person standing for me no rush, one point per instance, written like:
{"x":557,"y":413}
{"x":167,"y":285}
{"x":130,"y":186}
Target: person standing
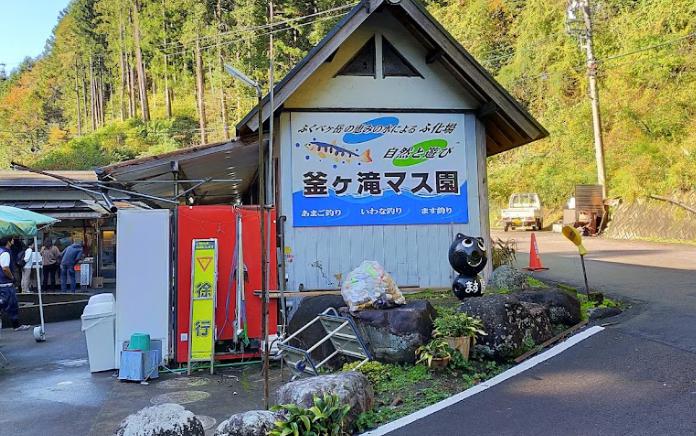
{"x":8,"y":293}
{"x":17,"y":260}
{"x":71,"y":257}
{"x":50,"y":254}
{"x":29,"y":263}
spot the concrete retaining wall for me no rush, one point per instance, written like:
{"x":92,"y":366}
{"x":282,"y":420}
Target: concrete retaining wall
{"x":654,"y":219}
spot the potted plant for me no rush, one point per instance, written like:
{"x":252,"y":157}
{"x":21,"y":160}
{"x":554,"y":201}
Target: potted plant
{"x":435,"y":353}
{"x":459,"y":331}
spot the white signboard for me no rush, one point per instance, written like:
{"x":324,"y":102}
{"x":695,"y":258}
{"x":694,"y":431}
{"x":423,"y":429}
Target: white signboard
{"x":378,"y":169}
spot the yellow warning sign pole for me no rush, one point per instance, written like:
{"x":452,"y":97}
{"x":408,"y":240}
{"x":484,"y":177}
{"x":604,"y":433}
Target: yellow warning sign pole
{"x":203,"y":297}
{"x":574,"y":236}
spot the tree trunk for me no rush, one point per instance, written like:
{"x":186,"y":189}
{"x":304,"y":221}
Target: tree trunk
{"x":85,"y":111}
{"x":122,"y":66}
{"x":77,"y":100}
{"x":223,"y":96}
{"x":200,"y":87}
{"x":92,"y":99}
{"x":167,"y":94}
{"x":130,"y":76}
{"x":140,"y":67}
{"x":223,"y":108}
{"x":102,"y":104}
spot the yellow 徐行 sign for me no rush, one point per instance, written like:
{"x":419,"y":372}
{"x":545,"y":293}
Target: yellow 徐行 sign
{"x":203,"y":292}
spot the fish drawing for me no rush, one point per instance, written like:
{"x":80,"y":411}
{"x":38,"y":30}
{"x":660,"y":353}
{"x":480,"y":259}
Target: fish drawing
{"x":325,"y":150}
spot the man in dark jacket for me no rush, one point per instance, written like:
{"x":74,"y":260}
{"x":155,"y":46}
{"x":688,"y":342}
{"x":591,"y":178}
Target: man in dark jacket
{"x":71,"y":257}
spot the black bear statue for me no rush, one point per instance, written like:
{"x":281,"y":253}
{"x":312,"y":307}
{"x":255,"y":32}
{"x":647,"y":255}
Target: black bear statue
{"x":467,"y":255}
{"x":465,"y":287}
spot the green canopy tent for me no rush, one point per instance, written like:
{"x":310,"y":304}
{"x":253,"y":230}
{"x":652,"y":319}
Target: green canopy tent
{"x":25,"y":223}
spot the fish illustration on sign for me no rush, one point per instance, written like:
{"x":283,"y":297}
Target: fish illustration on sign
{"x":325,"y":150}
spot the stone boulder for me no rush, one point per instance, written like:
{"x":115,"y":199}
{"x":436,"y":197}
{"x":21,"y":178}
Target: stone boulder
{"x":510,"y":324}
{"x":508,"y":278}
{"x":603,"y":312}
{"x":393,"y":335}
{"x":252,"y":423}
{"x":351,"y":387}
{"x":561,"y":306}
{"x":161,"y":420}
{"x":307,"y":309}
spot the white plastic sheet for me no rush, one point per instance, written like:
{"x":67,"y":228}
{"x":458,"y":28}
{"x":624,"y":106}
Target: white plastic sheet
{"x":369,"y":286}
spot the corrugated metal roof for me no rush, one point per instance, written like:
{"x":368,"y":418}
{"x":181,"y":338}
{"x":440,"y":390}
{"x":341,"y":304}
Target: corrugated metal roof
{"x":236,"y":159}
{"x":59,"y":209}
{"x":15,"y":178}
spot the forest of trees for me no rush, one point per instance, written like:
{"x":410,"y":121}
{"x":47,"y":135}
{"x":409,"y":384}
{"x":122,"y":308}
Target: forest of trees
{"x":124,"y":78}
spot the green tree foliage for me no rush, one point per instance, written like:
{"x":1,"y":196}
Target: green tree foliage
{"x":75,"y":106}
{"x":647,"y":108}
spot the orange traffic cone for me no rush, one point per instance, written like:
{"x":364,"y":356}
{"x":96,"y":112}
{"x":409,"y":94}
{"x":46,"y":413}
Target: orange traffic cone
{"x":534,"y":259}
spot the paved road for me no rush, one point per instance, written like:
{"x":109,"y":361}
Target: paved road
{"x":47,"y":387}
{"x":637,"y":377}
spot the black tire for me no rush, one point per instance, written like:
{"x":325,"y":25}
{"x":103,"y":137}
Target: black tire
{"x":539,"y":224}
{"x":507,"y":227}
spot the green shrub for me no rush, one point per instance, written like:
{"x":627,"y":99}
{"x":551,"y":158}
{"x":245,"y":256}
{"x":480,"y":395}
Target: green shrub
{"x":457,"y":324}
{"x":375,"y":372}
{"x":435,"y":349}
{"x":324,"y":418}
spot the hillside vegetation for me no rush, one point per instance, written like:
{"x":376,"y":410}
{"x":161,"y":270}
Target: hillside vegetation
{"x":124,"y":78}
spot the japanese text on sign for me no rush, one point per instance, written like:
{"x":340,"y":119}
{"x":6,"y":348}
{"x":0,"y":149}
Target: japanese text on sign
{"x":378,"y":169}
{"x":203,"y":291}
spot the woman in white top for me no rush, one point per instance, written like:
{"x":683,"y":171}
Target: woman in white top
{"x":31,"y":260}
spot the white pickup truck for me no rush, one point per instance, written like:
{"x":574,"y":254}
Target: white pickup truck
{"x":524,"y":210}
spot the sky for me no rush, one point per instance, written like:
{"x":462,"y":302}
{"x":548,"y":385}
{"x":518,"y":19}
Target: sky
{"x":25,"y":25}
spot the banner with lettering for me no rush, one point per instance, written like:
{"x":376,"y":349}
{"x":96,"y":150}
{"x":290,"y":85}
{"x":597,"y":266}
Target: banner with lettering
{"x":203,"y":291}
{"x":354,"y":169}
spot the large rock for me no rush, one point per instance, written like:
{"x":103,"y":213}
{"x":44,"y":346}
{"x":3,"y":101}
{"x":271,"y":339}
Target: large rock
{"x":351,"y":387}
{"x":508,"y":278}
{"x":307,"y":309}
{"x":561,"y":306}
{"x":393,"y":335}
{"x":510,"y":324}
{"x":603,"y":312}
{"x":252,"y":423}
{"x":161,"y":420}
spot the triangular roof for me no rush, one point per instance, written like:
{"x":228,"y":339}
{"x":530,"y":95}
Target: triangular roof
{"x":508,"y":124}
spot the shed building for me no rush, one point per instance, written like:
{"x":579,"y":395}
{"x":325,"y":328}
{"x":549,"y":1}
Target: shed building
{"x":382,"y":135}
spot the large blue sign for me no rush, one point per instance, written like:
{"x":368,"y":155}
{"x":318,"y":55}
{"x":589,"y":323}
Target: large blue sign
{"x":352,"y":169}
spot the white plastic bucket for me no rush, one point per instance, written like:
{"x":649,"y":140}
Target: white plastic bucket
{"x":99,"y":326}
{"x":105,"y":297}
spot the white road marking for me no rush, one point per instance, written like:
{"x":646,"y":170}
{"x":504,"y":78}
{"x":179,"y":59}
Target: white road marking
{"x":518,"y":369}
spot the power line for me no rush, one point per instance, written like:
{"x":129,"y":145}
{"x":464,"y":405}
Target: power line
{"x":650,"y":47}
{"x":237,"y":31}
{"x":247,"y":37}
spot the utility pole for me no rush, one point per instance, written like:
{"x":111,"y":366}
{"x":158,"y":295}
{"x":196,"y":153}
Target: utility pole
{"x":582,"y":29}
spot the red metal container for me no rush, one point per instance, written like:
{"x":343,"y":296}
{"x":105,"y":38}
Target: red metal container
{"x":219,"y":222}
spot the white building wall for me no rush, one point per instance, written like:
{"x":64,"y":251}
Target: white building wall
{"x":416,"y":255}
{"x":437,"y":89}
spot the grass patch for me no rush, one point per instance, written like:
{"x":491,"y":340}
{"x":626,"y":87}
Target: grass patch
{"x":444,"y":302}
{"x":404,"y":389}
{"x":536,"y":283}
{"x":586,"y":305}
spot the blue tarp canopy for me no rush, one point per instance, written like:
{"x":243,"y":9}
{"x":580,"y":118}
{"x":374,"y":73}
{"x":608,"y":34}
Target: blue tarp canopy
{"x":20,"y":222}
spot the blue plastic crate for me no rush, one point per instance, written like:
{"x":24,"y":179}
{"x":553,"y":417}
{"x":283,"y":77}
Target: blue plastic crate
{"x":139,"y":365}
